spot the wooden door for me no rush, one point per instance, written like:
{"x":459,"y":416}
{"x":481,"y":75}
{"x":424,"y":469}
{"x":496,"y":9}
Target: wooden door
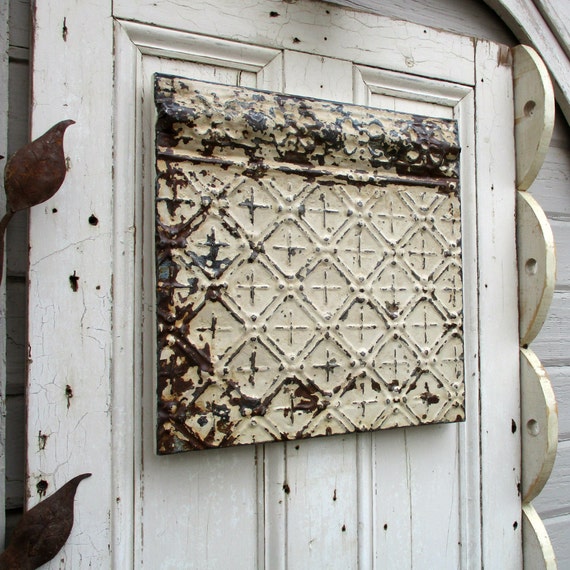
{"x":423,"y":497}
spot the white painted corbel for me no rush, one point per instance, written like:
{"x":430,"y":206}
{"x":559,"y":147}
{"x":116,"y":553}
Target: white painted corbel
{"x":534,"y":121}
{"x":534,"y":113}
{"x":537,"y":266}
{"x":538,"y":553}
{"x":539,"y":419}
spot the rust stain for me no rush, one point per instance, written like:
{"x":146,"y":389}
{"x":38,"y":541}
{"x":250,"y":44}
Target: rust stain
{"x":505,"y":57}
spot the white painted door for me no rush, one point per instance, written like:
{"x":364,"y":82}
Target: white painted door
{"x":424,"y":497}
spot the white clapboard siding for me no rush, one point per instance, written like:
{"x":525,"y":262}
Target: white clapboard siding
{"x":16,"y":269}
{"x":560,"y":378}
{"x":551,"y":186}
{"x":468,"y":17}
{"x":549,"y":503}
{"x":557,"y":528}
{"x":552,"y":345}
{"x":20,"y":16}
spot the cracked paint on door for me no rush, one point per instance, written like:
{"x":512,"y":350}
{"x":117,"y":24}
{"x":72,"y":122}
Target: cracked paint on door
{"x":308,"y":267}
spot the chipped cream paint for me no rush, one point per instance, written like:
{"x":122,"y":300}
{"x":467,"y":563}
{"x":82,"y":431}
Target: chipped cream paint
{"x":308,"y":268}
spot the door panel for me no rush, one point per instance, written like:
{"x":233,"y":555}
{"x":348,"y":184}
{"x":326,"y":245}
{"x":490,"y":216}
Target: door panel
{"x":327,"y":502}
{"x":423,"y":497}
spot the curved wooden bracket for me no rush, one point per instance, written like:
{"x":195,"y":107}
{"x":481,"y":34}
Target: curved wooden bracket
{"x":537,"y":266}
{"x":539,"y":418}
{"x":537,"y":549}
{"x":534,"y":113}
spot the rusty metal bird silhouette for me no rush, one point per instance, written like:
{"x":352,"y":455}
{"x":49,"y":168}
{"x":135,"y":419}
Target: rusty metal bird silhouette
{"x":33,"y":175}
{"x":43,"y":530}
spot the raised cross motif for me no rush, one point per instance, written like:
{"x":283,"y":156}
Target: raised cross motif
{"x":342,"y":309}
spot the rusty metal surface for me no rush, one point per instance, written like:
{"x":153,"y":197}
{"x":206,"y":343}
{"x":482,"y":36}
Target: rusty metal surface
{"x":33,"y":175}
{"x":43,"y":530}
{"x":308,"y":266}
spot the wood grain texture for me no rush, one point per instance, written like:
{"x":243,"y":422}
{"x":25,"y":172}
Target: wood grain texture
{"x":538,"y":553}
{"x":497,"y":278}
{"x":557,"y":528}
{"x":549,"y":503}
{"x":70,"y":336}
{"x":4,"y":71}
{"x":528,"y":24}
{"x":336,"y":33}
{"x":536,"y":266}
{"x":551,"y":344}
{"x":20,"y":17}
{"x":15,"y":451}
{"x":557,"y":14}
{"x":534,"y":113}
{"x":468,"y":17}
{"x":551,"y":185}
{"x":279,"y":515}
{"x":17,"y":263}
{"x":560,"y":378}
{"x":539,"y":425}
{"x":553,"y":178}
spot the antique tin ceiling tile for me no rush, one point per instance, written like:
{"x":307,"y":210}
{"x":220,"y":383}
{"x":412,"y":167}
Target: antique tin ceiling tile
{"x":308,"y":263}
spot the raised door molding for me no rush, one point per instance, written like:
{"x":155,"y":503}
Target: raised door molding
{"x":534,"y":113}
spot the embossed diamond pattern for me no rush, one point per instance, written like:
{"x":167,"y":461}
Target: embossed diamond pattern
{"x":296,"y":299}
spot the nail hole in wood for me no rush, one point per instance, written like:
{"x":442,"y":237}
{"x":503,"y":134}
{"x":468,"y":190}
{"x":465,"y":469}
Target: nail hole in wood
{"x":531,"y":266}
{"x":93,"y":220}
{"x":74,"y":282}
{"x":533,"y":427}
{"x":41,"y":487}
{"x":42,"y":440}
{"x":68,"y":395}
{"x":529,"y":108}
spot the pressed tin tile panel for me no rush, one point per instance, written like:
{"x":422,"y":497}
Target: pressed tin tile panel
{"x":309,"y":276}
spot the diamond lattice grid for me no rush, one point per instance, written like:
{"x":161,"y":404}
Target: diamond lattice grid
{"x":298,"y":298}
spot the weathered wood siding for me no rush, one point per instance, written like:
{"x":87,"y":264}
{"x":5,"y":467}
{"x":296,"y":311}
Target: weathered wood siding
{"x":17,"y":263}
{"x":552,"y":190}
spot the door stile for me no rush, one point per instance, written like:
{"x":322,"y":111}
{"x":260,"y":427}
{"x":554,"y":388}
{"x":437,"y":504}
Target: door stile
{"x":70,"y":329}
{"x":469,"y":433}
{"x":128,"y":289}
{"x":498,"y":345}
